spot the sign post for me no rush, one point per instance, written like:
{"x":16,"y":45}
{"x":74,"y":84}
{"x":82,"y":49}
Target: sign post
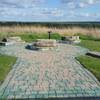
{"x":49,"y":33}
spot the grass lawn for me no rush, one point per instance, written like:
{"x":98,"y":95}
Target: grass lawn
{"x":91,"y":44}
{"x":6,"y":63}
{"x":91,"y":63}
{"x":34,"y":36}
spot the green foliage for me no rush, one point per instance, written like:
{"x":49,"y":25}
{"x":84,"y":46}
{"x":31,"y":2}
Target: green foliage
{"x":6,"y":62}
{"x":34,"y":36}
{"x":29,"y":37}
{"x":55,"y":36}
{"x":92,"y":64}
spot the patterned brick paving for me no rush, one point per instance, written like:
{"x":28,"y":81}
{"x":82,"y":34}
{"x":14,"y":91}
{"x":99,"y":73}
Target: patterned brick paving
{"x":52,"y":73}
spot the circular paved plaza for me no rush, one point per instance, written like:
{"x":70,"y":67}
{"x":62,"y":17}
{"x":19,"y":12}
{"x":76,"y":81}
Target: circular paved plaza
{"x":48,"y":74}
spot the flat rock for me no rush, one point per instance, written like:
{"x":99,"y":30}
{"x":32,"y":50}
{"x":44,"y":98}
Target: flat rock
{"x":94,"y":54}
{"x":16,"y":39}
{"x":72,"y":39}
{"x":6,"y":43}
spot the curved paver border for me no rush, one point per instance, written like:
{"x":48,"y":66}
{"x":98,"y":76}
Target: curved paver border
{"x":8,"y":78}
{"x":89,"y":73}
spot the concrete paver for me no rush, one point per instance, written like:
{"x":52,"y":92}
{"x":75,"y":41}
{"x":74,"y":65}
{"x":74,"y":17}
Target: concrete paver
{"x":45,"y":74}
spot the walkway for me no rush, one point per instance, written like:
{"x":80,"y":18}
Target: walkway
{"x":43,"y":74}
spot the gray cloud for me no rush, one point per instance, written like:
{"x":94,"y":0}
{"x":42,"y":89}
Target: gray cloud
{"x":21,"y":3}
{"x":78,"y":3}
{"x":38,"y":10}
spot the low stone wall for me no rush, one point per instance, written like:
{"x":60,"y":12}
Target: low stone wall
{"x":71,"y":39}
{"x":45,"y":43}
{"x":10,"y":41}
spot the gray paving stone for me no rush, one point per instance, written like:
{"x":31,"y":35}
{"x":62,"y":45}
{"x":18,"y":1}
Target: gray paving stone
{"x":48,"y":74}
{"x":39,"y":96}
{"x":32,"y":96}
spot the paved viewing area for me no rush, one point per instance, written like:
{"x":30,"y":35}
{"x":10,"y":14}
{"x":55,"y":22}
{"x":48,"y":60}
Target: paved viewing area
{"x":51,"y":73}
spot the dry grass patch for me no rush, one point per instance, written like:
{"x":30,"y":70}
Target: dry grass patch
{"x":43,"y":29}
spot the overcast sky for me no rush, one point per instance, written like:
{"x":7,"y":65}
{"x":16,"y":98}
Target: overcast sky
{"x":49,"y":10}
